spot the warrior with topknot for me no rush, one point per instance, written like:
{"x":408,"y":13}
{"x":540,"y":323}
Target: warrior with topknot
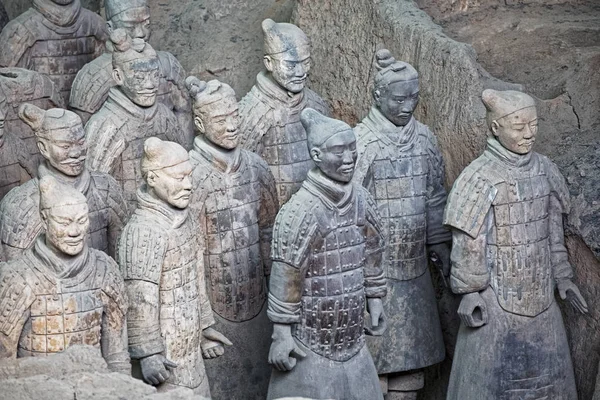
{"x":270,"y":112}
{"x":62,"y":143}
{"x":61,"y":293}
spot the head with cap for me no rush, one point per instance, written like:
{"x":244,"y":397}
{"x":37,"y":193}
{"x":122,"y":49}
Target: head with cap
{"x":167,"y":170}
{"x":396,"y":90}
{"x":331,"y":143}
{"x":64,"y":214}
{"x":135,"y":68}
{"x":131,"y":15}
{"x":512,"y":119}
{"x":287,"y":54}
{"x":60,"y":137}
{"x":215,"y":111}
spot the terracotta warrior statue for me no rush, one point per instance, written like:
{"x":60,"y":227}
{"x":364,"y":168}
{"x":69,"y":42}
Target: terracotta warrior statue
{"x":16,"y":167}
{"x":130,"y":115}
{"x":92,"y":84}
{"x":60,"y":292}
{"x":236,"y":201}
{"x":54,"y":37}
{"x":506,"y":213}
{"x":327,"y":255}
{"x":270,"y":112}
{"x":62,"y":143}
{"x":169,"y":319}
{"x":17,"y":86}
{"x":400,"y":164}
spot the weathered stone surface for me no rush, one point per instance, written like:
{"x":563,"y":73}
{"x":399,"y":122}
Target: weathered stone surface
{"x":3,"y":16}
{"x":78,"y":373}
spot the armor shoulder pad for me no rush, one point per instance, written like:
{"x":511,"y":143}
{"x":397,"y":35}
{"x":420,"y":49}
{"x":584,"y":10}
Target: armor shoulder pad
{"x":105,"y":141}
{"x":315,"y":101}
{"x":371,"y":211}
{"x":91,"y":85}
{"x":434,"y":155}
{"x":15,"y":294}
{"x":558,"y":185}
{"x":254,"y":120}
{"x":23,"y":156}
{"x":171,"y":68}
{"x":111,"y":282}
{"x":112,"y":193}
{"x":21,"y":222}
{"x":141,"y":252}
{"x":470,"y":198}
{"x":367,"y":147}
{"x":294,"y":230}
{"x":18,"y":36}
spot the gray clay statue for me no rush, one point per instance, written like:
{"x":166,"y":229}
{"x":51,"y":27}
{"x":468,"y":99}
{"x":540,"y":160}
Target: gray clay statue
{"x":16,"y":167}
{"x":506,"y":213}
{"x":60,"y":293}
{"x":17,"y":86}
{"x":401,"y":166}
{"x":326,"y":253}
{"x":62,"y":144}
{"x":169,"y":319}
{"x":130,"y":115}
{"x":236,"y":201}
{"x":54,"y":37}
{"x":92,"y":84}
{"x":270,"y":112}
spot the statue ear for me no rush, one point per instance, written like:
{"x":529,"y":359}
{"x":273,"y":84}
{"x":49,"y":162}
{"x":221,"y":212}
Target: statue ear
{"x":268,"y":63}
{"x":199,"y":124}
{"x":117,"y":75}
{"x":377,"y":96}
{"x":151,"y":179}
{"x":109,"y":26}
{"x":494,"y":127}
{"x":41,"y":144}
{"x":44,"y":218}
{"x":315,"y":154}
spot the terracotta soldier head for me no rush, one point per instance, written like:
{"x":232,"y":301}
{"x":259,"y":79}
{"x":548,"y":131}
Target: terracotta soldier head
{"x":130,"y":15}
{"x":332,"y":145}
{"x":64,"y":213}
{"x":512,"y":119}
{"x":167,"y":170}
{"x":60,"y":137}
{"x":287,"y":54}
{"x":396,"y":90}
{"x":135,"y":68}
{"x":215,"y":111}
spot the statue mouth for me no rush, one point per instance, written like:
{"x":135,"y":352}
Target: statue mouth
{"x":74,"y":242}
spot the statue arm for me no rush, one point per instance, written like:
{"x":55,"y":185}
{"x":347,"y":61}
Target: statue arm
{"x":16,"y":298}
{"x":141,"y":254}
{"x":268,"y":211}
{"x":207,"y":318}
{"x":561,"y":268}
{"x":375,"y":282}
{"x":118,"y":215}
{"x":105,"y":144}
{"x":436,"y":195}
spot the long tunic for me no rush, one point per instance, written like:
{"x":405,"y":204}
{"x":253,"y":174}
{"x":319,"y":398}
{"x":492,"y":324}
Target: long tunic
{"x":93,"y":82}
{"x":159,"y":256}
{"x":326,"y":251}
{"x":116,"y":135}
{"x":47,"y":306}
{"x":236,"y":204}
{"x":15,"y":165}
{"x":270,"y":120}
{"x":54,"y":40}
{"x":403,"y":170}
{"x":506,"y":211}
{"x":21,"y":222}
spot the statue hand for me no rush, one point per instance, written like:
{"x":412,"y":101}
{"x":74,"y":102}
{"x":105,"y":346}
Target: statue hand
{"x":155,"y":369}
{"x":473,"y":310}
{"x":570,"y":292}
{"x":441,"y":259}
{"x":378,"y":319}
{"x":284,"y":350}
{"x":212,"y":343}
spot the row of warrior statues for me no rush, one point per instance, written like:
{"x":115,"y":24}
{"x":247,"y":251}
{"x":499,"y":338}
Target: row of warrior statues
{"x":161,"y":221}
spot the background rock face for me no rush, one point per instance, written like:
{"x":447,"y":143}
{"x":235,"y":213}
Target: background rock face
{"x":548,"y":48}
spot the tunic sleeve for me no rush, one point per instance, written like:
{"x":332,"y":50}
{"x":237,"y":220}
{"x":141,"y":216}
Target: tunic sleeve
{"x":105,"y":144}
{"x":375,"y":282}
{"x":16,"y":298}
{"x":267,"y":212}
{"x":436,"y":194}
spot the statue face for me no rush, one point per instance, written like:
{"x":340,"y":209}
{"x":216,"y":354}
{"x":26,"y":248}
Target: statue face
{"x":220,"y":123}
{"x":290,"y":69}
{"x":173,"y":185}
{"x":336,"y":157}
{"x":139,"y":80}
{"x":66,"y":150}
{"x":517,"y":131}
{"x":66,"y":227}
{"x":398,"y":101}
{"x":136,"y":21}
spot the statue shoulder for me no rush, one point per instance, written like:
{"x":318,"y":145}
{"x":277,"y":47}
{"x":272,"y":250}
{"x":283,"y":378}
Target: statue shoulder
{"x":170,"y":67}
{"x":18,"y":36}
{"x":558,"y":184}
{"x":93,"y":24}
{"x":315,"y":101}
{"x":142,"y":249}
{"x":255,"y":119}
{"x":91,"y":85}
{"x":471,"y":197}
{"x":16,"y":295}
{"x":109,"y":278}
{"x":20,"y":220}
